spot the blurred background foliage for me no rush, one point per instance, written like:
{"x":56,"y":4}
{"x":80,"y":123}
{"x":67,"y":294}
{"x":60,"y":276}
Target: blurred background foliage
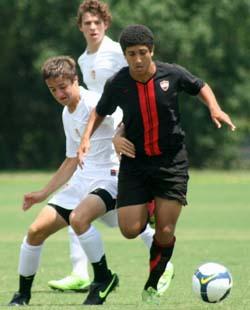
{"x":211,"y":39}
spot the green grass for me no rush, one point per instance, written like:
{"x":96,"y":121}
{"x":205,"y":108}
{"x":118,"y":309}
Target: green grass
{"x":213,"y":227}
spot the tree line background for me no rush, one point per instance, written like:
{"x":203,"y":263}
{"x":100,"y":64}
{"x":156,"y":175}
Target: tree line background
{"x":209,"y":38}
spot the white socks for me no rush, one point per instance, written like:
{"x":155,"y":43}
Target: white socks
{"x":92,"y":244}
{"x":147,"y":236}
{"x":78,"y":257}
{"x":29,"y":258}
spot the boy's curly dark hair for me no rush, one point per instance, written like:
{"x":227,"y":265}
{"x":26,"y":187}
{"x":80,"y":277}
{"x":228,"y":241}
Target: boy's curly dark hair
{"x":136,"y":35}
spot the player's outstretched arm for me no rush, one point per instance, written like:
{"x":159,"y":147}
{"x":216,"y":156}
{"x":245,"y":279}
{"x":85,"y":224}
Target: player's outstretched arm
{"x":32,"y":198}
{"x":94,"y":122}
{"x":121,"y":144}
{"x":218,"y":116}
{"x":62,"y":175}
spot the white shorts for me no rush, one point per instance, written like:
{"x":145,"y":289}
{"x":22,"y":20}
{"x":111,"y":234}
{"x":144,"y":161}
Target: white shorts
{"x":83,"y":182}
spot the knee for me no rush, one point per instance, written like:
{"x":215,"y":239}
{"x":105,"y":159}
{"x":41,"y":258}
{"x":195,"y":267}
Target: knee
{"x":36,"y":235}
{"x":130,"y":232}
{"x":77,"y":223}
{"x":167,"y":231}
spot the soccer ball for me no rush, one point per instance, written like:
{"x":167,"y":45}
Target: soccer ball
{"x":212,"y":282}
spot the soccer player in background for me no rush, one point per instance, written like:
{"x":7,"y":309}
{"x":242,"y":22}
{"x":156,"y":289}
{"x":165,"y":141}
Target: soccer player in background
{"x":102,"y":58}
{"x":147,"y":92}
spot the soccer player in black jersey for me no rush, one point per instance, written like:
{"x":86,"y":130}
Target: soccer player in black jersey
{"x":156,"y":166}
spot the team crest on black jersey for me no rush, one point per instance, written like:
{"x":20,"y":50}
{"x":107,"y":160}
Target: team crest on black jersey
{"x":164,"y":85}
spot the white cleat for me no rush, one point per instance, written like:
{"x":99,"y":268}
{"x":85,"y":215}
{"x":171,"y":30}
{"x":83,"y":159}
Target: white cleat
{"x":165,"y":279}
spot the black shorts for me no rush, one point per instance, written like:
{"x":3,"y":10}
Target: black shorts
{"x":142,"y":179}
{"x":109,"y":201}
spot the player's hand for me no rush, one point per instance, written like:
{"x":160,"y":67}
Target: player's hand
{"x":31,"y":198}
{"x":220,"y":117}
{"x":123,"y":146}
{"x":82,"y":151}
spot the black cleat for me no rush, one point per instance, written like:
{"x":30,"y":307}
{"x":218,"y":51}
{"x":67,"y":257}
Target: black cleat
{"x":99,"y":291}
{"x":19,"y":300}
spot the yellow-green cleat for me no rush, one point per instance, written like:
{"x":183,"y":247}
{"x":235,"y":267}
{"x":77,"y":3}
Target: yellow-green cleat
{"x":70,"y":283}
{"x":151,"y":296}
{"x":165,"y":279}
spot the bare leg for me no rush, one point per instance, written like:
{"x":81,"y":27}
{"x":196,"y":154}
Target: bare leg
{"x":132,"y":220}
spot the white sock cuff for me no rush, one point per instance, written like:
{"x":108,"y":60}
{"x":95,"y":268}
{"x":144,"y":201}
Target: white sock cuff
{"x":91,"y":242}
{"x":30,"y":247}
{"x":92,"y":231}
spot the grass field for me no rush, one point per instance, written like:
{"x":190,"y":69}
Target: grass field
{"x":214,"y":227}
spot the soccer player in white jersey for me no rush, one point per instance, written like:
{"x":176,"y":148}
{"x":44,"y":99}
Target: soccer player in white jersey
{"x":102,"y":58}
{"x":85,"y":195}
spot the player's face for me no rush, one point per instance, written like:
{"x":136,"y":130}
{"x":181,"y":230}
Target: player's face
{"x":65,"y":91}
{"x":141,"y":65}
{"x":93,"y":28}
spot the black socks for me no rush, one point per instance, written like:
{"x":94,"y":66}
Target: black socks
{"x":159,"y":257}
{"x":101,"y":271}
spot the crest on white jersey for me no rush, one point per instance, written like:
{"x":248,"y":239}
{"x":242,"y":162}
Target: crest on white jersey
{"x":164,"y":85}
{"x":93,"y":74}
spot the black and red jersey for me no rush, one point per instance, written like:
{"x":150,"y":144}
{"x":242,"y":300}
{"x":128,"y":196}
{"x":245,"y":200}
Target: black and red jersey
{"x":150,"y":110}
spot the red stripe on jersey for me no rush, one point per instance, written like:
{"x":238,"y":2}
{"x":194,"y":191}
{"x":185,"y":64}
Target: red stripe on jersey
{"x":150,"y":119}
{"x":144,"y":113}
{"x":154,"y":114}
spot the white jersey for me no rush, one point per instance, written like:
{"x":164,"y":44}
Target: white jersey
{"x":100,"y":164}
{"x":96,"y":68}
{"x":101,"y":151}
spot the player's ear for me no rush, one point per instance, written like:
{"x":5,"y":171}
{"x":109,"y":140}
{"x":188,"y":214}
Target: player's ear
{"x":75,"y":80}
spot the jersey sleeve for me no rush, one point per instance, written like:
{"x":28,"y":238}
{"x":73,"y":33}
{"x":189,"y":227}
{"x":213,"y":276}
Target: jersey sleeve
{"x":91,"y":99}
{"x":107,"y":104}
{"x":188,"y":82}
